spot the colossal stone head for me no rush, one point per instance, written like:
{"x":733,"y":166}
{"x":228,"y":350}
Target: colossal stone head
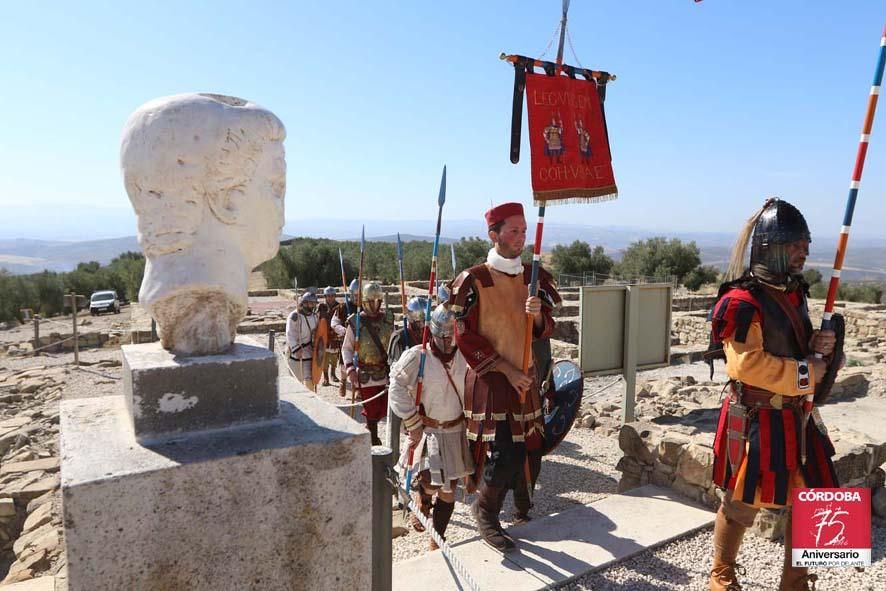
{"x":206,"y":175}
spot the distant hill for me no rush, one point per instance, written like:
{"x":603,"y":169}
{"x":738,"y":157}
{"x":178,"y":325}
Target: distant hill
{"x":21,"y":255}
{"x":865,"y":260}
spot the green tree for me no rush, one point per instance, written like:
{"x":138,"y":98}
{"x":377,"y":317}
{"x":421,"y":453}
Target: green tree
{"x":659,"y":258}
{"x":870,"y":293}
{"x":578,"y":259}
{"x":701,"y":276}
{"x":812,"y":276}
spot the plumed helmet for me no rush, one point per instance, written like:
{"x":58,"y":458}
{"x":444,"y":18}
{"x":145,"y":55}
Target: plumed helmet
{"x":372,"y":291}
{"x":442,"y":322}
{"x":308,"y":297}
{"x":780,"y":224}
{"x":415,"y":308}
{"x":329,"y":291}
{"x":354,"y":287}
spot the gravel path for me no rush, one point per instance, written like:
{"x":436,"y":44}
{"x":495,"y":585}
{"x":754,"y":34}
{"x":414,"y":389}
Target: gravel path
{"x":683,"y":564}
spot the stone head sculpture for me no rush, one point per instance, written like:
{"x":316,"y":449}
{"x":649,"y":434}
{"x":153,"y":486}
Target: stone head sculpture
{"x":206,"y":176}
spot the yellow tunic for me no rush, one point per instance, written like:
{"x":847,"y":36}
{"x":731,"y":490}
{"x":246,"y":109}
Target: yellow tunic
{"x":748,"y":363}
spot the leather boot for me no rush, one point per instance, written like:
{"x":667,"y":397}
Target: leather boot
{"x":423,"y":502}
{"x":441,"y":516}
{"x":794,"y":578}
{"x":372,"y":427}
{"x":486,"y":509}
{"x":727,"y":540}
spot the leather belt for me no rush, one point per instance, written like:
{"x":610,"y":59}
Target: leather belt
{"x":435,"y":424}
{"x":760,"y":398}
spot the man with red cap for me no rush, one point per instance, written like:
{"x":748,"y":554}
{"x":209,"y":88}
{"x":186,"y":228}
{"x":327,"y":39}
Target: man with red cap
{"x":502,"y":403}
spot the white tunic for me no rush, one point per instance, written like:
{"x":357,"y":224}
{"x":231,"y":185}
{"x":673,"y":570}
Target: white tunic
{"x":300,"y":335}
{"x":444,"y":452}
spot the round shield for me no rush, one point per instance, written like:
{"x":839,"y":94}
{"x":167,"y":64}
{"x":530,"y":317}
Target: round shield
{"x":562,"y":402}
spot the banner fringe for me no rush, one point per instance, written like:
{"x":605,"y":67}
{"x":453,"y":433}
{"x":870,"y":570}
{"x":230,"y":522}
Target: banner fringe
{"x":569,"y":196}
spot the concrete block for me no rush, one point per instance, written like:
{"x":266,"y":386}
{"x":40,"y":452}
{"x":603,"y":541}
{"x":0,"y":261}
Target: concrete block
{"x":265,"y":505}
{"x":168,"y":394}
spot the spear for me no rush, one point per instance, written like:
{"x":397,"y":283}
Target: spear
{"x":854,"y":184}
{"x":344,"y":282}
{"x":452,"y":252}
{"x":441,"y":199}
{"x":359,"y":389}
{"x":402,"y":285}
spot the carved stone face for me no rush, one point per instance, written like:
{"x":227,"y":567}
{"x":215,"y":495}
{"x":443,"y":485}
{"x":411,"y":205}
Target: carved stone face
{"x":188,"y":156}
{"x":206,"y":176}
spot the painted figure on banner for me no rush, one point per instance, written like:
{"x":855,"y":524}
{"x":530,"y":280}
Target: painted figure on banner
{"x":370,"y":374}
{"x":300,"y":327}
{"x":502,"y":403}
{"x":554,"y":146}
{"x":584,"y":140}
{"x":766,"y":445}
{"x":436,"y":428}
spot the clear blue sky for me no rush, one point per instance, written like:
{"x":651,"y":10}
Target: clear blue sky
{"x":716,"y":106}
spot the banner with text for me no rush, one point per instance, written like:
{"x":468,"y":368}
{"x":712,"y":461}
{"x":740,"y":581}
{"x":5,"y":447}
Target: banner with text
{"x":571,"y":161}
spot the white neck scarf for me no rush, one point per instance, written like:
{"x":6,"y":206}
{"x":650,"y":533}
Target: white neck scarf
{"x":512,"y":266}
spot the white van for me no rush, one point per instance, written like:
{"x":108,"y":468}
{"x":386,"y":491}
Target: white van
{"x":104,"y":301}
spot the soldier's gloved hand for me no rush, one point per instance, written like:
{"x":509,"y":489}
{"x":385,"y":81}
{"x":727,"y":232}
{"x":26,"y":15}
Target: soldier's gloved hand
{"x":823,"y":342}
{"x":352,"y":377}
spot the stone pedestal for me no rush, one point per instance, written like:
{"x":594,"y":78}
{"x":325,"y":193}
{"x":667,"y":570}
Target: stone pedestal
{"x":168,"y":394}
{"x":280,"y":503}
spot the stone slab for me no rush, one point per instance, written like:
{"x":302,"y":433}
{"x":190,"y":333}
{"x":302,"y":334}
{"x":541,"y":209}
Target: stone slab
{"x":555,"y":549}
{"x":489,"y":569}
{"x":594,"y":536}
{"x":45,"y":465}
{"x":266,"y":505}
{"x":168,"y":394}
{"x":38,"y":584}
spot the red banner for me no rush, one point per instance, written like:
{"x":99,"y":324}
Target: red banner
{"x":571,"y":161}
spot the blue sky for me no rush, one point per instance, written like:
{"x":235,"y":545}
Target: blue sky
{"x":716,"y":106}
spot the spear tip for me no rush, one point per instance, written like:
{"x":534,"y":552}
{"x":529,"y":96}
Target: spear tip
{"x":442,"y":198}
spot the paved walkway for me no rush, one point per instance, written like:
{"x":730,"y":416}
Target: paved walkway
{"x":556,"y":549}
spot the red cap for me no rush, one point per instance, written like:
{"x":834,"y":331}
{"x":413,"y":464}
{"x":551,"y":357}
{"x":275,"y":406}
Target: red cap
{"x":502,"y":212}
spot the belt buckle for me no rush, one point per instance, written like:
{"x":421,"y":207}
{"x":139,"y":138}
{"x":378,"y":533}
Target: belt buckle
{"x":777,"y":401}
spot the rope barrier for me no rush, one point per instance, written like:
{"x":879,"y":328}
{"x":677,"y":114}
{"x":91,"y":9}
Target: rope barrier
{"x":606,"y":387}
{"x":429,"y":527}
{"x":348,"y":405}
{"x":53,"y":344}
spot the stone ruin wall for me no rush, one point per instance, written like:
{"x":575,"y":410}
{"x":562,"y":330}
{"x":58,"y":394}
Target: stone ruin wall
{"x":865,"y":323}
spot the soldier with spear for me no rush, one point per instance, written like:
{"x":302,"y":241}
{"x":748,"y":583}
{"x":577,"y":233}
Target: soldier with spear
{"x":364,"y":351}
{"x":502,"y":402}
{"x":770,"y":439}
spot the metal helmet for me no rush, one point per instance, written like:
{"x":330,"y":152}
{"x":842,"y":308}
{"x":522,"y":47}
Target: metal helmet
{"x":372,"y":291}
{"x":307,"y":298}
{"x":415,"y":309}
{"x":354,"y":287}
{"x":780,"y":224}
{"x":442,"y":322}
{"x":442,"y":293}
{"x":329,"y":291}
